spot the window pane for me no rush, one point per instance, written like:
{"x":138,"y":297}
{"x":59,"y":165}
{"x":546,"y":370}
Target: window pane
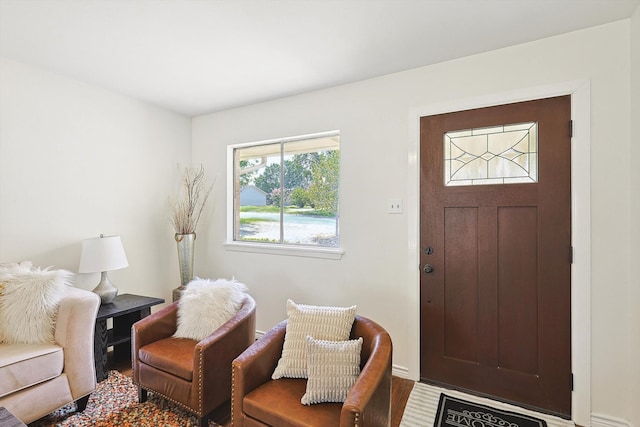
{"x":257,"y":177}
{"x":287,"y":192}
{"x":496,"y":155}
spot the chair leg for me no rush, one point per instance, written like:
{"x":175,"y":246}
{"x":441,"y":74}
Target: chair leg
{"x":142,"y":395}
{"x":204,"y":421}
{"x":82,"y":403}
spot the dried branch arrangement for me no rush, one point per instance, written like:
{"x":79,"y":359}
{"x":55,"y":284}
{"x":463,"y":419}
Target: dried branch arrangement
{"x":187,"y":207}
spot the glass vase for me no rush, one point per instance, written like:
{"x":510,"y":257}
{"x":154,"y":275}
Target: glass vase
{"x":185,"y":243}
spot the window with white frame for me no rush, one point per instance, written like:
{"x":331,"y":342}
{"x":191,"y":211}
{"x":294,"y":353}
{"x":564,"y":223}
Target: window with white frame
{"x":285,"y":192}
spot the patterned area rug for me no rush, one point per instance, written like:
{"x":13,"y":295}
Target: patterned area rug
{"x":115,"y":403}
{"x":423,"y":404}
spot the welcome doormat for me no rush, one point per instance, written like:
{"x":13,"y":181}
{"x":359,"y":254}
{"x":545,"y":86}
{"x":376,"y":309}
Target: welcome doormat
{"x":454,"y":412}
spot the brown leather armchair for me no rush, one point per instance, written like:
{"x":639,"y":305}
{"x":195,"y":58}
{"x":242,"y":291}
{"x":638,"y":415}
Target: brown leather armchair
{"x":195,"y":375}
{"x":257,"y":400}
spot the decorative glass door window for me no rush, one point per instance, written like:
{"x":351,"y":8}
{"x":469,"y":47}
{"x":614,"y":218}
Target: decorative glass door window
{"x":505,"y":154}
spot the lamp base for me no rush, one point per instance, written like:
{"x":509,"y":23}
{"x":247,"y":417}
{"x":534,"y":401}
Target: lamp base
{"x":105,"y":289}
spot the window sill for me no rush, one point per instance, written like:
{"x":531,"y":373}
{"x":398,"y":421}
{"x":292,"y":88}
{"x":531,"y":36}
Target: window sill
{"x":287,"y":250}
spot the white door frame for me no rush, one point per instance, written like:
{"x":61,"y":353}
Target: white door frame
{"x":580,"y":92}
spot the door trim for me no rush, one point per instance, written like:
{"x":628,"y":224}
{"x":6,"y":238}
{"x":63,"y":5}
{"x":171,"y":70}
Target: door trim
{"x":580,"y":92}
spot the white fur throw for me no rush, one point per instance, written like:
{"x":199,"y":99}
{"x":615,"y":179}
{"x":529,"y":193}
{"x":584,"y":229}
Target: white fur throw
{"x":29,"y":299}
{"x":333,"y":368}
{"x":324,"y":323}
{"x":206,"y":304}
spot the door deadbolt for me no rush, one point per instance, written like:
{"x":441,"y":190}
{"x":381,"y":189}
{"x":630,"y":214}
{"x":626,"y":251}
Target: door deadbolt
{"x":428,"y":268}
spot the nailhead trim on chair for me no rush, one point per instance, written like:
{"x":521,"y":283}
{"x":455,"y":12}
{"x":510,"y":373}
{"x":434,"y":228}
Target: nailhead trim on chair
{"x":356,"y":420}
{"x":182,"y":405}
{"x":199,"y":412}
{"x":200,"y":381}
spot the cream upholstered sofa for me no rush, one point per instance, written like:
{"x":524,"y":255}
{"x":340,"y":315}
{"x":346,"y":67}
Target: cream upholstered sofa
{"x":36,"y":379}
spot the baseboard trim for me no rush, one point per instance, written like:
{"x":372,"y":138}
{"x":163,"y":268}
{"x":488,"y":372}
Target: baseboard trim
{"x":400,"y":371}
{"x":602,"y":420}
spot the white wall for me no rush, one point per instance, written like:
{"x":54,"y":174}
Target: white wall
{"x":373,"y":119}
{"x":77,"y":161}
{"x":634,"y":225}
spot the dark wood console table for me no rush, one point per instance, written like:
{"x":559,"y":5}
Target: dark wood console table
{"x":125,"y":310}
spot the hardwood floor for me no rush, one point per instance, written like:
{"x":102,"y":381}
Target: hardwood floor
{"x":400,"y":390}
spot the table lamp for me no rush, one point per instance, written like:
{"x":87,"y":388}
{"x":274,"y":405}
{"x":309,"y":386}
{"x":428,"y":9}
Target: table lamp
{"x":99,"y":255}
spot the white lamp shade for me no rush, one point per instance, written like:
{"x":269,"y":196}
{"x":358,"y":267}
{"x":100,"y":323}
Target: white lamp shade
{"x":102,"y":254}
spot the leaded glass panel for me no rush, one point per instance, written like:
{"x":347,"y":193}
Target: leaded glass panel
{"x":505,"y":154}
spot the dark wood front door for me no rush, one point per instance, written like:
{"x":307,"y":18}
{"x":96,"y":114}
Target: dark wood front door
{"x":495,"y":287}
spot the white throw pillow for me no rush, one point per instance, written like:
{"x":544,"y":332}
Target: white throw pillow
{"x":333,"y":368}
{"x":29,"y":299}
{"x":324,"y":323}
{"x":206,"y":304}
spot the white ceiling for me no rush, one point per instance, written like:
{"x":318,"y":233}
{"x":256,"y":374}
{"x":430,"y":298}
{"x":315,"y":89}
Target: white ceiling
{"x":200,"y":56}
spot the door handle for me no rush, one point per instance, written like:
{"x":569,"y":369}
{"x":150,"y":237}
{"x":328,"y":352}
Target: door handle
{"x":428,"y":268}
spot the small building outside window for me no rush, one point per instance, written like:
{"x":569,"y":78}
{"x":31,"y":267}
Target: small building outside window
{"x":252,"y":196}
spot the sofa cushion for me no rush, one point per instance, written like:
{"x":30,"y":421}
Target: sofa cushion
{"x":277,"y":402}
{"x":24,"y":365}
{"x":172,"y":355}
{"x":333,"y":368}
{"x":320,"y":322}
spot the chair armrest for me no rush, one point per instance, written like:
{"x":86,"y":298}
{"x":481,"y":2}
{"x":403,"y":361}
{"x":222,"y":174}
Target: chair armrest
{"x":74,"y":331}
{"x":159,"y":325}
{"x":156,"y":326}
{"x":214,"y":354}
{"x":370,"y":397}
{"x":255,"y":367}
